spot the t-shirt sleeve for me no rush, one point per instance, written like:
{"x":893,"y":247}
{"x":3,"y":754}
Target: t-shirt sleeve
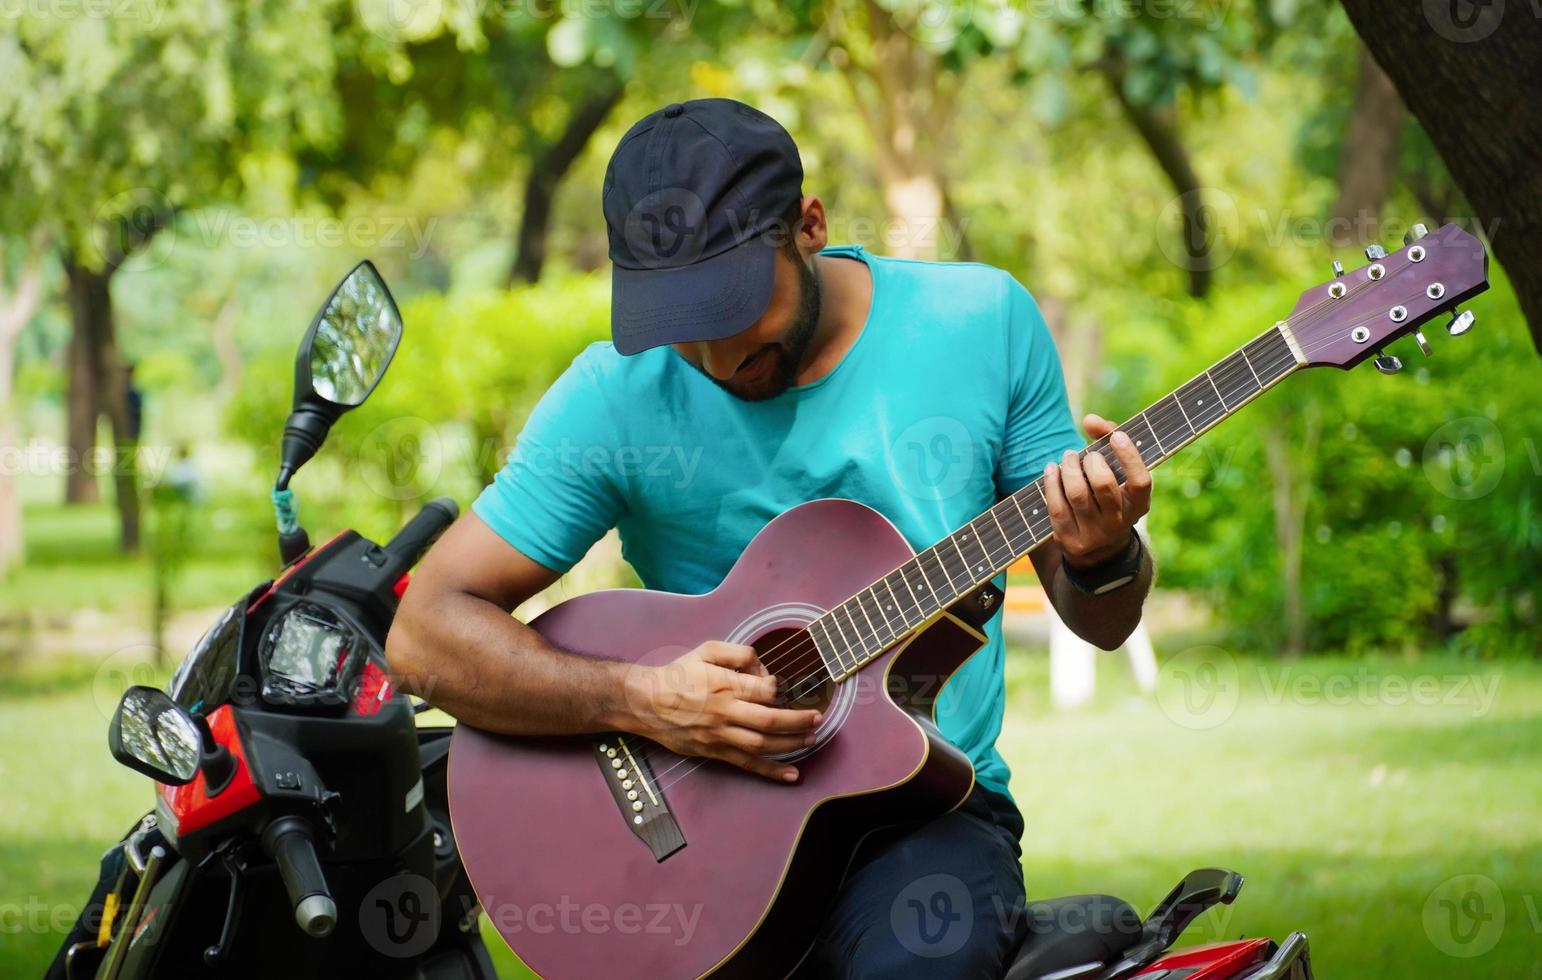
{"x":557,"y":494}
{"x":1039,"y":424}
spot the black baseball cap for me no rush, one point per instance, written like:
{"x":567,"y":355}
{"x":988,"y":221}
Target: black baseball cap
{"x":694,"y":196}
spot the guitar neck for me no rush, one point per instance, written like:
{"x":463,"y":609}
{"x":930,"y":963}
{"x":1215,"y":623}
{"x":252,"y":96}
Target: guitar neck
{"x":859,"y":629}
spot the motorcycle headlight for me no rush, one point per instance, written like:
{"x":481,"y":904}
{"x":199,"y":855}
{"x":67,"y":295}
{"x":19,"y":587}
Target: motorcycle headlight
{"x":309,"y":656}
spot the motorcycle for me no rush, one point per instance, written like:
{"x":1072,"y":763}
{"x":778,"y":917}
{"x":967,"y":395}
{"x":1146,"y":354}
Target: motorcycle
{"x":300,"y":826}
{"x":1099,"y":937}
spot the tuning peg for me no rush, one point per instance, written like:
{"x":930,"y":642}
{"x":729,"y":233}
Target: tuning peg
{"x":1375,"y":252}
{"x":1338,"y":269}
{"x":1424,"y":345}
{"x":1387,"y":364}
{"x":1415,"y":233}
{"x":1461,"y":322}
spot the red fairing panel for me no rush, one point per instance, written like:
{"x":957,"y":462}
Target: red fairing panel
{"x":1214,"y":962}
{"x":191,"y":805}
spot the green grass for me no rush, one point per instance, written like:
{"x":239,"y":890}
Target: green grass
{"x":1345,"y":818}
{"x":73,"y":561}
{"x":1347,"y":813}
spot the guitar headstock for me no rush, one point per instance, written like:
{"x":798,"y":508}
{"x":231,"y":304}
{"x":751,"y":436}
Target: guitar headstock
{"x":1351,"y":317}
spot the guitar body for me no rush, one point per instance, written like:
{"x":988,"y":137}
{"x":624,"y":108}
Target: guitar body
{"x":554,"y":848}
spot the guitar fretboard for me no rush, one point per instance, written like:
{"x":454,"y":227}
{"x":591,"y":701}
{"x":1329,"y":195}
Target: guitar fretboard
{"x":862,"y":627}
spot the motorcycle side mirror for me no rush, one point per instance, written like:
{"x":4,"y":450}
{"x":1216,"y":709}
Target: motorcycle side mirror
{"x":344,"y":355}
{"x":154,"y":735}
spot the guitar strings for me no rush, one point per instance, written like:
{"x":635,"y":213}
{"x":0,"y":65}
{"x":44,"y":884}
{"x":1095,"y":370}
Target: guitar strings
{"x":804,"y":640}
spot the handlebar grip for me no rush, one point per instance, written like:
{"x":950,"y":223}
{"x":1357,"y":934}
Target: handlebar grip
{"x":417,"y":534}
{"x":288,"y":841}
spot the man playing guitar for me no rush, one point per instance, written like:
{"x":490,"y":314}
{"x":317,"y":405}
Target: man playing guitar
{"x":752,"y":369}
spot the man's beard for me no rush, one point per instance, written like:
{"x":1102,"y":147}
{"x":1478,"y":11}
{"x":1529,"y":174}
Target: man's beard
{"x":790,"y":350}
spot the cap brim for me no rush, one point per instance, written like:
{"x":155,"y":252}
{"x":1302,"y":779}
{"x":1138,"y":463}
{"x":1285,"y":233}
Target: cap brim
{"x":710,"y":300}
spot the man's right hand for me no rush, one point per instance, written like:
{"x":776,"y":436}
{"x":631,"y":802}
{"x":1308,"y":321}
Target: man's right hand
{"x":718,"y":701}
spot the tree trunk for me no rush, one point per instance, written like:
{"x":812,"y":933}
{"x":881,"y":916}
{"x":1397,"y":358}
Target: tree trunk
{"x":12,"y":543}
{"x":546,"y":172}
{"x":222,"y":335}
{"x":1291,"y":474}
{"x":1158,"y":129}
{"x":94,"y":346}
{"x":905,"y":100}
{"x":80,"y":478}
{"x":1470,"y":73}
{"x":1369,"y":160}
{"x":18,"y":305}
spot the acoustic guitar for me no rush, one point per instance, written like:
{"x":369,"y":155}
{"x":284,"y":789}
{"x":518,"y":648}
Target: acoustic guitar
{"x":609,"y":856}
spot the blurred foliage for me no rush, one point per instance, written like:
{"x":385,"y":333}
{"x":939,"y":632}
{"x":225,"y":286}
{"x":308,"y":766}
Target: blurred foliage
{"x":470,"y":367}
{"x":294,"y":143}
{"x":1423,"y":487}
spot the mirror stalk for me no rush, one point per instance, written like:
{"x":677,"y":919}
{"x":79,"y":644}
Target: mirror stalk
{"x":304,"y":433}
{"x":216,"y":763}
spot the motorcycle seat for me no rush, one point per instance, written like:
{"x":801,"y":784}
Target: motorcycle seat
{"x":1075,"y":930}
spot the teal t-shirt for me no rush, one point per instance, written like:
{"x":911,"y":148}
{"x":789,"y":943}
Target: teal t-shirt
{"x":951,"y":398}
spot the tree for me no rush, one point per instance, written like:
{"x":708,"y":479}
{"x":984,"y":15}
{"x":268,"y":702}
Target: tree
{"x":21,"y":293}
{"x":599,"y":94}
{"x":1372,"y":140}
{"x":1468,"y":72}
{"x":112,"y":125}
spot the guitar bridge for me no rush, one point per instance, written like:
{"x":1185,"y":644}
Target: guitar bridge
{"x":637,"y":794}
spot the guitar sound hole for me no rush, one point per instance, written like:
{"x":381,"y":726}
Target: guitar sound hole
{"x":804,"y":683}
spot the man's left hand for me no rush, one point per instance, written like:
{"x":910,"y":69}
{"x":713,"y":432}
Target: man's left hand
{"x":1090,"y":512}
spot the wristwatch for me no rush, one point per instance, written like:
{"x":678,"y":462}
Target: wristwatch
{"x":1115,"y":573}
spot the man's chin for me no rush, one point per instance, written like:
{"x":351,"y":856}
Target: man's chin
{"x":756,"y":392}
{"x":772,"y":382}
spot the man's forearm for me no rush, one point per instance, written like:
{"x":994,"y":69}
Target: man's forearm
{"x":488,"y":669}
{"x":1103,"y":620}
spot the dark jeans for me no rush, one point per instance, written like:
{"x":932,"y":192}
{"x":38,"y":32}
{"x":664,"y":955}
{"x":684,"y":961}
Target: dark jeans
{"x":937,"y":899}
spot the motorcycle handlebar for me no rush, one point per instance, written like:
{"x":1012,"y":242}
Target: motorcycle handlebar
{"x":417,"y":534}
{"x":288,"y":841}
